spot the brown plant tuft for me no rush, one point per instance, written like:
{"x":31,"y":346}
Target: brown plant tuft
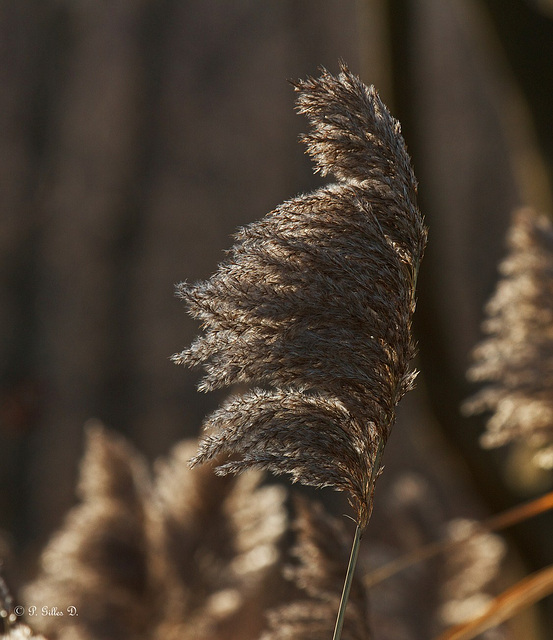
{"x":6,"y":598}
{"x":220,"y":540}
{"x":516,"y":359}
{"x":21,"y":632}
{"x":189,"y":555}
{"x":469,"y":570}
{"x":96,"y":569}
{"x":321,"y":551}
{"x":316,"y":303}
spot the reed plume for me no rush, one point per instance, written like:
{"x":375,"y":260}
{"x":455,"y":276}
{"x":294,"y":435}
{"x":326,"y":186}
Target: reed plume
{"x":469,"y":570}
{"x":320,"y":552}
{"x":516,"y":357}
{"x":21,"y":631}
{"x":182,"y":555}
{"x":96,"y":569}
{"x":220,"y":541}
{"x":7,"y":615}
{"x":314,"y":306}
{"x":435,"y":584}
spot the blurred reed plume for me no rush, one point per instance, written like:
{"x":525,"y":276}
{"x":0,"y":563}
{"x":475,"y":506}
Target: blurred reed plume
{"x":315,"y":306}
{"x":321,"y":551}
{"x":516,"y":357}
{"x":437,"y":589}
{"x":99,"y":561}
{"x":220,"y":538}
{"x":7,"y":616}
{"x":469,"y":569}
{"x":181,"y":555}
{"x":21,"y":632}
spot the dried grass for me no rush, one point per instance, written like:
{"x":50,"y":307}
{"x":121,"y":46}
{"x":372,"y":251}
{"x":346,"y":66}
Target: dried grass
{"x":182,"y":555}
{"x":516,"y":357}
{"x":99,"y":561}
{"x":316,"y":303}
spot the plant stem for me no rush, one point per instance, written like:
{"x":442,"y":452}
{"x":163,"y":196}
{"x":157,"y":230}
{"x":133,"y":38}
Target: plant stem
{"x":347,"y":584}
{"x":355,"y":546}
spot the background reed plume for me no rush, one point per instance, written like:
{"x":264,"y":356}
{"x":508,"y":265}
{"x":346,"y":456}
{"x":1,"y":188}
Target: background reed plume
{"x":320,"y":553}
{"x":516,"y":359}
{"x":178,"y":553}
{"x":315,"y":303}
{"x":99,"y":561}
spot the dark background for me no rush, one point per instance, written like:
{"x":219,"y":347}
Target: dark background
{"x":136,"y":135}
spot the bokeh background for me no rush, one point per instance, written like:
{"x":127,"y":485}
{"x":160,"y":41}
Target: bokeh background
{"x":136,"y":135}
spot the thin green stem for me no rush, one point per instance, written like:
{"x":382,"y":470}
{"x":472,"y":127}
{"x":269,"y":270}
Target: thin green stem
{"x":347,"y":584}
{"x":355,"y":546}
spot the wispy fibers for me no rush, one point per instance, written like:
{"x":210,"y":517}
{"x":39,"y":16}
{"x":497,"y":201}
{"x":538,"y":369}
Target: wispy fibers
{"x":515,"y":359}
{"x":315,"y":304}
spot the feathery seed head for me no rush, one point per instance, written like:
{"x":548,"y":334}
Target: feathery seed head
{"x":516,"y":357}
{"x":315,"y":302}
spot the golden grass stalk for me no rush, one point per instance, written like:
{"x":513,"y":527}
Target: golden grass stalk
{"x":524,"y":593}
{"x":507,"y":518}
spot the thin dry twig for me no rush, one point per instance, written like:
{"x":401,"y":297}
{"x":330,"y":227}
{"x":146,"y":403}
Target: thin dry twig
{"x":518,"y":597}
{"x":507,"y":518}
